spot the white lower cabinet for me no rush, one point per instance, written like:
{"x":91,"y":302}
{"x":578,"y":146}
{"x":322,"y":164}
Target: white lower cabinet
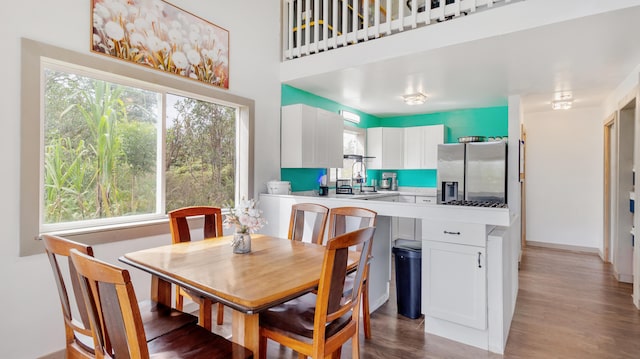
{"x":454,"y":283}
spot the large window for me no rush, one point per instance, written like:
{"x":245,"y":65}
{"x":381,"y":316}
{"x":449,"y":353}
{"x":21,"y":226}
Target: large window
{"x":103,"y":159}
{"x":108,"y":148}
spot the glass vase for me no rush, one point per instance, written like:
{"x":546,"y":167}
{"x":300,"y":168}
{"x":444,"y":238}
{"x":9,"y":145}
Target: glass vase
{"x":241,"y":243}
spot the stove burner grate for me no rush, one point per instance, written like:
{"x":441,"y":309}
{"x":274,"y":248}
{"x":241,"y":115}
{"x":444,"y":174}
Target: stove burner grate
{"x":477,"y":204}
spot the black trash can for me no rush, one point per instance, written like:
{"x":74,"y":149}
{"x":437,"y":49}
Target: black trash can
{"x":408,"y":258}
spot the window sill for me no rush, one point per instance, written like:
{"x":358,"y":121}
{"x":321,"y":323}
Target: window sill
{"x":116,"y":232}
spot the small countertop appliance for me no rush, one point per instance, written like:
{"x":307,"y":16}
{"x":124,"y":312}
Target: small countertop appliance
{"x":389,"y":181}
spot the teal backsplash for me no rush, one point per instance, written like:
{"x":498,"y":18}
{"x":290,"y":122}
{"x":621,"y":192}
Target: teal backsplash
{"x":302,"y":179}
{"x":407,"y":178}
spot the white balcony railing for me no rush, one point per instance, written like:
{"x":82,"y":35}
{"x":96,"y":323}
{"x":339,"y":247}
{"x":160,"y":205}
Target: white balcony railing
{"x":311,"y":26}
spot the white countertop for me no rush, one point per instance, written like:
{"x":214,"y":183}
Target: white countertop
{"x":435,"y":212}
{"x":402,"y":191}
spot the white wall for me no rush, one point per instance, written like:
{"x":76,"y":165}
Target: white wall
{"x":564,"y":177}
{"x":32,"y":323}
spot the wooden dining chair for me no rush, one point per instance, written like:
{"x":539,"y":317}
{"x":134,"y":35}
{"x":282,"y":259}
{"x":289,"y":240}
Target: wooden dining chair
{"x":300,"y":213}
{"x":156,"y":320}
{"x":79,"y":343}
{"x":318,"y":324}
{"x":342,"y":220}
{"x":116,"y":324}
{"x":181,"y":232}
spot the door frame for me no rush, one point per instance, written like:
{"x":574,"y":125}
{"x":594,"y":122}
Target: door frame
{"x":607,"y":223}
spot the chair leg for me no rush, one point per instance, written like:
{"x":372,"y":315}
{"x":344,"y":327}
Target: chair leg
{"x":204,"y":316}
{"x":220,"y":319}
{"x":355,"y":346}
{"x":179,"y":299}
{"x":262,"y":351}
{"x":366,"y":317}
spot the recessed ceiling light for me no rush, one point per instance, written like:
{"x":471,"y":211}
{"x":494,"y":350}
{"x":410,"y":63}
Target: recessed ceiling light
{"x":561,"y":105}
{"x":415,"y":99}
{"x":563,"y":96}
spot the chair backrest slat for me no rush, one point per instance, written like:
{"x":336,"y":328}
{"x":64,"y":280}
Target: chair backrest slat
{"x":299,"y":214}
{"x":114,"y":314}
{"x":179,"y":225}
{"x":341,"y":218}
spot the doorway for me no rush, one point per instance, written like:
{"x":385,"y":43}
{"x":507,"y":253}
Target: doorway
{"x":621,"y":190}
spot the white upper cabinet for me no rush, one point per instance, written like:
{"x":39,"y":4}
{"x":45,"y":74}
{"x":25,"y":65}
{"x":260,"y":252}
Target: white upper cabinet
{"x":310,"y":138}
{"x":386,"y":145}
{"x":421,"y":146}
{"x":404,"y":147}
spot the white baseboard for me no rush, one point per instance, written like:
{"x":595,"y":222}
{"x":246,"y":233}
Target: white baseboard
{"x":60,"y":354}
{"x":625,"y":278}
{"x":378,"y":302}
{"x":564,"y":247}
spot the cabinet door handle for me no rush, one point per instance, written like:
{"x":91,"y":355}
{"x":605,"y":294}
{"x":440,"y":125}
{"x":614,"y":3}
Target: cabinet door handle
{"x":479,"y":264}
{"x":456,"y":233}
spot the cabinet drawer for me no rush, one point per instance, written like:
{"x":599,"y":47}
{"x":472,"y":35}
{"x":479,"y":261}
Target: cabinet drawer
{"x":406,"y":199}
{"x":425,"y":199}
{"x":472,"y":234}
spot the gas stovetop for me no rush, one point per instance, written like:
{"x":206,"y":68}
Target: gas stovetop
{"x":477,"y":204}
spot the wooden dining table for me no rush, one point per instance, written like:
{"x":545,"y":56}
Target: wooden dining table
{"x":276,"y":270}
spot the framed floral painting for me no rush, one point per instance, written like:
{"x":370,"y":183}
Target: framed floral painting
{"x":159,"y":35}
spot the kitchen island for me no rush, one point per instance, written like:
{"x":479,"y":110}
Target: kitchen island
{"x":469,"y":262}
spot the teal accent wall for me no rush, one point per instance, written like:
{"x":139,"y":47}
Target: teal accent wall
{"x":489,"y":122}
{"x":292,"y":96}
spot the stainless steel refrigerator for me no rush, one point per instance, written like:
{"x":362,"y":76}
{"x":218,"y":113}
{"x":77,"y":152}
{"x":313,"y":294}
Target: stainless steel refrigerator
{"x":475,"y":172}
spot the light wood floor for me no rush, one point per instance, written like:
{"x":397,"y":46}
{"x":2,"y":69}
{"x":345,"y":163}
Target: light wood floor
{"x":569,"y":306}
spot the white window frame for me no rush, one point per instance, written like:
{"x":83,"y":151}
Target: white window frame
{"x":33,"y":54}
{"x":360,"y":132}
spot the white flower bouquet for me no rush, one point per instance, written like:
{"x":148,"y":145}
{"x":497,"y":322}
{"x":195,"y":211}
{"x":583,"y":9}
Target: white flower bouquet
{"x":246,"y":218}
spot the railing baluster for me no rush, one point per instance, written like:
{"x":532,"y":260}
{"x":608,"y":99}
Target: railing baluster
{"x":334,"y":23}
{"x":299,"y":24}
{"x":290,"y":26}
{"x":365,"y":19}
{"x":376,"y":17}
{"x":354,"y":25}
{"x":427,"y":12}
{"x":316,"y":26}
{"x":345,"y":22}
{"x":307,"y":27}
{"x":414,"y":13}
{"x":325,"y":24}
{"x":401,"y":14}
{"x":389,"y":11}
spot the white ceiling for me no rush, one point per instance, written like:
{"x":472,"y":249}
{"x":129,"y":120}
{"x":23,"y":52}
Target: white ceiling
{"x":589,"y":56}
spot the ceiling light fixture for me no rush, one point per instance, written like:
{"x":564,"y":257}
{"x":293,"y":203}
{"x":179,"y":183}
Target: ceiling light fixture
{"x":563,"y":96}
{"x":350,"y":116}
{"x":561,"y":104}
{"x":415,"y":99}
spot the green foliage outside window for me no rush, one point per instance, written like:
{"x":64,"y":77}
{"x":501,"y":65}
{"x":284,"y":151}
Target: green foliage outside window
{"x":101,"y":150}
